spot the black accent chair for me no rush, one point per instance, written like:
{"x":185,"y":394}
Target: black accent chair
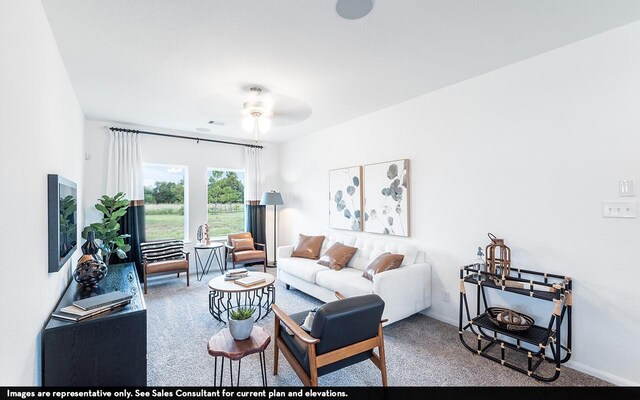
{"x":343,"y":333}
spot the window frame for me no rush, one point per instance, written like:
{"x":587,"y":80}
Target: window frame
{"x":185,"y":170}
{"x":209,"y":169}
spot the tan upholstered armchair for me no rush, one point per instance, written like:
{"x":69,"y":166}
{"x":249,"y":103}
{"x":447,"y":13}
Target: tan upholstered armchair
{"x":163,"y":257}
{"x":242,"y":249}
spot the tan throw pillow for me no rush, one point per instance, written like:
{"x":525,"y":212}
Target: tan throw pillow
{"x":308,"y":247}
{"x":337,"y":256}
{"x":384,"y":262}
{"x":242,"y":244}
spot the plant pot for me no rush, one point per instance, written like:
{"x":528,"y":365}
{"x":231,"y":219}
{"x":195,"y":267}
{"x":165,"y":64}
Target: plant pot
{"x":241,"y":329}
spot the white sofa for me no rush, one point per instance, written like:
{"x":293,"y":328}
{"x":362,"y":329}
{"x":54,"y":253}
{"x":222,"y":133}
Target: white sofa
{"x":405,"y":290}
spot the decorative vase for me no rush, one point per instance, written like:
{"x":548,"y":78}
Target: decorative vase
{"x":90,"y":268}
{"x":91,"y":247}
{"x":240,"y":329}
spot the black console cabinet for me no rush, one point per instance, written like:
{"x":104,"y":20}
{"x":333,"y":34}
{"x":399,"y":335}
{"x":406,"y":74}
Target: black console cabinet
{"x":109,"y":349}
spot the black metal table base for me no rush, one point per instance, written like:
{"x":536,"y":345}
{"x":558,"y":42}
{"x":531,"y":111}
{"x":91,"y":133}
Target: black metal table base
{"x":263,"y":370}
{"x":220,"y":303}
{"x":203,"y":268}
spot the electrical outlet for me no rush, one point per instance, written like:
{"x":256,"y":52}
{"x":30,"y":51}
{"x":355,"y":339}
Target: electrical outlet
{"x":619,"y":209}
{"x":446,"y":296}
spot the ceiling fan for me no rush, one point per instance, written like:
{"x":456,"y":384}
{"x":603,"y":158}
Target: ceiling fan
{"x":262,"y":109}
{"x":257,"y":111}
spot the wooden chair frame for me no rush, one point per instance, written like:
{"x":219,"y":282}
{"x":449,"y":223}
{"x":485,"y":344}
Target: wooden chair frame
{"x":145,"y":263}
{"x":230,"y":250}
{"x":331,"y":357}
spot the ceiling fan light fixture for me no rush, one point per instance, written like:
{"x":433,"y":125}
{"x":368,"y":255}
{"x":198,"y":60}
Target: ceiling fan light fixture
{"x":257,"y":106}
{"x":250,"y":121}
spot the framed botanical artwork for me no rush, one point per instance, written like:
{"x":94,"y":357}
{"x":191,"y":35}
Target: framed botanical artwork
{"x":345,"y":198}
{"x":386,"y":198}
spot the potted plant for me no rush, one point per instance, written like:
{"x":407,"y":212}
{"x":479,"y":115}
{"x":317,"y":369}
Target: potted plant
{"x":112,"y":208}
{"x":241,"y":322}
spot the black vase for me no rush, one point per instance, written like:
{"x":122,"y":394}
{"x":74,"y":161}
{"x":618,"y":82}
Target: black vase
{"x":90,"y":246}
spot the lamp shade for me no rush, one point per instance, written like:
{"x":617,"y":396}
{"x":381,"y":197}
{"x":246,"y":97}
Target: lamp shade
{"x":272,"y":198}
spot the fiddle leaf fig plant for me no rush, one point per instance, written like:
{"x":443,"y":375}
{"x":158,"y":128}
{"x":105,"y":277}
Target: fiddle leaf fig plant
{"x":113,"y":209}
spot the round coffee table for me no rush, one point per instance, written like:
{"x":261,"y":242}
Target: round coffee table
{"x":227,"y":295}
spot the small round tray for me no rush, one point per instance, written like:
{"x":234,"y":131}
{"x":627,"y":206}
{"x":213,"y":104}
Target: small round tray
{"x":509,"y":319}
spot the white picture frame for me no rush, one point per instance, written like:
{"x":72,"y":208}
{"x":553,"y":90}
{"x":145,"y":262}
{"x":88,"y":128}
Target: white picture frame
{"x":345,"y":198}
{"x":386,"y":198}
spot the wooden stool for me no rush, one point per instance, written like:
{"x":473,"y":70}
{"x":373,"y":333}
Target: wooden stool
{"x":223,"y":345}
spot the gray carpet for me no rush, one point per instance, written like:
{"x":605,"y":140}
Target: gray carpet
{"x":421,"y":351}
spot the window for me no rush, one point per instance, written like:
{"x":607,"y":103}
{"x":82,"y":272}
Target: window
{"x":164,"y":198}
{"x":225,"y":204}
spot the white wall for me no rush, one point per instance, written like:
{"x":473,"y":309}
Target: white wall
{"x":527,"y":152}
{"x":41,"y":127}
{"x":161,"y":150}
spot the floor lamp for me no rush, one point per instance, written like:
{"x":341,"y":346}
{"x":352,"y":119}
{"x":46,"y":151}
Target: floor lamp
{"x":274,"y":199}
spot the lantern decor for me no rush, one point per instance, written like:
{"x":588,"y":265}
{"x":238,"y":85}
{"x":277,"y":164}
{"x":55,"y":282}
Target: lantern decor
{"x":497,"y":256}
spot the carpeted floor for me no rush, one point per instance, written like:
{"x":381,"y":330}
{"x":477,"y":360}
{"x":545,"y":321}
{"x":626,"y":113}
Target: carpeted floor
{"x":421,"y":351}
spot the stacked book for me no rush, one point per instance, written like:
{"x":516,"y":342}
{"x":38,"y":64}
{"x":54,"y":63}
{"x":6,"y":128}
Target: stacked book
{"x":85,"y":308}
{"x":250,"y":281}
{"x":236,"y":274}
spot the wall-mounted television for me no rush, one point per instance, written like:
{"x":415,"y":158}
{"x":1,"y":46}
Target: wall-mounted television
{"x":63,"y":222}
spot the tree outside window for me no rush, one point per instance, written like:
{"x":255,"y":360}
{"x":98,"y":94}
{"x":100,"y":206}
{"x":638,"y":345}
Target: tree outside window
{"x":164,"y":198}
{"x":225,"y":208}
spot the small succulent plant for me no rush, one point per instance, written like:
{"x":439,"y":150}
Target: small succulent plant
{"x":242,"y":313}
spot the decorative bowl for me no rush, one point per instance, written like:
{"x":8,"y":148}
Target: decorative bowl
{"x":509,"y":319}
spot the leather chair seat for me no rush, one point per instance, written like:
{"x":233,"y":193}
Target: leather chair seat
{"x":249,"y":255}
{"x":167,"y":266}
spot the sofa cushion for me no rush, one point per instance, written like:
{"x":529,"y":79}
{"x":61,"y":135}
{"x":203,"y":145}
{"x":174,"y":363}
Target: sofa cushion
{"x":337,"y":256}
{"x":242,"y":244}
{"x":243,"y":256}
{"x":348,"y":281}
{"x":308,"y":247}
{"x":241,"y":235}
{"x":167,"y":265}
{"x":332,"y":238}
{"x":369,"y":249}
{"x":302,"y":268}
{"x":162,"y":250}
{"x":384,"y":262}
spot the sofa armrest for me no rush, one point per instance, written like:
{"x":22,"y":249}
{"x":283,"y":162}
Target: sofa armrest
{"x":405,"y":290}
{"x":284,"y":251}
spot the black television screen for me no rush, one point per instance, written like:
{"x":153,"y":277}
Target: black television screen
{"x":63,"y":225}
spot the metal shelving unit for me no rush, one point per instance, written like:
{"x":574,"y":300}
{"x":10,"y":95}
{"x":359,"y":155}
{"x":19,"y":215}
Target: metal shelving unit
{"x":540,"y":343}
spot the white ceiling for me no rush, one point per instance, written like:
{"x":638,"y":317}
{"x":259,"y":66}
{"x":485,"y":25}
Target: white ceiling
{"x":180,"y":63}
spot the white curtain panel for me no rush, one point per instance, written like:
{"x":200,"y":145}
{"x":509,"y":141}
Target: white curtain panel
{"x":124,"y":169}
{"x":254,"y":176}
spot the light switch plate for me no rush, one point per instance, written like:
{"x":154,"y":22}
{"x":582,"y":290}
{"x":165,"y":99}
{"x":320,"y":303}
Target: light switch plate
{"x":619,"y":209}
{"x":626,"y":188}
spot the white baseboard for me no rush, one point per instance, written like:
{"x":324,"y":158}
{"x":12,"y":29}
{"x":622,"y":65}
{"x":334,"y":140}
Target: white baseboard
{"x":439,"y":317}
{"x":605,"y":376}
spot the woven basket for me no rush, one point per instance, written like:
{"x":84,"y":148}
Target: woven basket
{"x":509,"y":319}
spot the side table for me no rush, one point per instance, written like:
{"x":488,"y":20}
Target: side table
{"x":223,"y":345}
{"x":215,"y":252}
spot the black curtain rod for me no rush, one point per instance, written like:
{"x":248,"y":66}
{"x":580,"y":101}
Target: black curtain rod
{"x":197,"y":139}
